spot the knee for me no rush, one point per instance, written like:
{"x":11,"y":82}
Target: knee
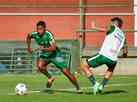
{"x":84,"y":64}
{"x":111,"y":70}
{"x":65,"y":71}
{"x":109,"y":73}
{"x":86,"y":69}
{"x":40,"y":68}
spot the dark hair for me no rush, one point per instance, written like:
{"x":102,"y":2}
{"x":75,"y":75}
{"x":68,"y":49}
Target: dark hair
{"x":119,"y":20}
{"x":41,"y":23}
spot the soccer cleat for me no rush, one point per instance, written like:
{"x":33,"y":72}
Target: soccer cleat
{"x":79,"y":91}
{"x":100,"y":88}
{"x":95,"y":88}
{"x":50,"y":81}
{"x":49,"y":84}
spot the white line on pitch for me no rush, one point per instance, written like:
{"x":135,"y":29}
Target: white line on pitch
{"x":110,"y":85}
{"x":73,"y":89}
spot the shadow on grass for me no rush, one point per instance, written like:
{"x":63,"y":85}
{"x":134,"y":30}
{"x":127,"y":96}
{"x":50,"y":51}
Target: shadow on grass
{"x":52,"y":91}
{"x":107,"y":92}
{"x":114,"y":92}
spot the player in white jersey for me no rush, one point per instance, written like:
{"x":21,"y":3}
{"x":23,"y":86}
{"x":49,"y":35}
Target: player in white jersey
{"x":107,"y":55}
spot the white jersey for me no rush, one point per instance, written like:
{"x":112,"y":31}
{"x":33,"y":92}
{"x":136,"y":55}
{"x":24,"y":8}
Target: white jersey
{"x":112,"y":44}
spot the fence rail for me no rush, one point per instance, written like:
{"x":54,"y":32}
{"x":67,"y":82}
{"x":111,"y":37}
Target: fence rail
{"x":15,"y":62}
{"x":15,"y":5}
{"x":66,"y":14}
{"x":93,"y":30}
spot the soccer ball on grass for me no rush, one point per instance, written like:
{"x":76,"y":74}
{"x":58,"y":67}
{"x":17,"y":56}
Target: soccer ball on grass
{"x":21,"y":89}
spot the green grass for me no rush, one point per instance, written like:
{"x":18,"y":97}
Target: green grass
{"x":112,"y":93}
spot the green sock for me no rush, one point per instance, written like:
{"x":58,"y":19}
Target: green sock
{"x":92,"y":80}
{"x":104,"y":82}
{"x":47,"y":74}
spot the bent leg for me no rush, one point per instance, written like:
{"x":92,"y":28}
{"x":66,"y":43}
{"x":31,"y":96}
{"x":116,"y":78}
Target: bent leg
{"x":71,"y":77}
{"x":42,"y":67}
{"x":108,"y":74}
{"x":88,"y":72}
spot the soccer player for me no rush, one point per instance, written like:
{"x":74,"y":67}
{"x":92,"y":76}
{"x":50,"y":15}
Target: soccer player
{"x":107,"y":55}
{"x":50,"y":53}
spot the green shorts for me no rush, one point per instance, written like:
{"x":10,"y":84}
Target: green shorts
{"x":98,"y":60}
{"x":56,"y":58}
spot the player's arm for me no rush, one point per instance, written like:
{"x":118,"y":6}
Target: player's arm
{"x":28,"y":41}
{"x":93,"y":26}
{"x":51,"y":48}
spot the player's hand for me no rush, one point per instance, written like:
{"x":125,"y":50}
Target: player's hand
{"x":30,"y":50}
{"x":41,"y":48}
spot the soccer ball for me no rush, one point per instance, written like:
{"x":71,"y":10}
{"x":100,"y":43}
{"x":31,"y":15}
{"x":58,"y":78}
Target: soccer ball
{"x":21,"y":89}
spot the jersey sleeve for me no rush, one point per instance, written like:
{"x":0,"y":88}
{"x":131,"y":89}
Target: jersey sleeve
{"x":119,"y":42}
{"x":50,"y":37}
{"x":110,"y":30}
{"x":123,"y":43}
{"x":33,"y":34}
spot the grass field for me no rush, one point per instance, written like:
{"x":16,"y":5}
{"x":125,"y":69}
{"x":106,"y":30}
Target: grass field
{"x":119,"y":89}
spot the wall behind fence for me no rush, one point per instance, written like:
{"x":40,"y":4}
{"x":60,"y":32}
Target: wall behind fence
{"x":17,"y":27}
{"x":96,"y":38}
{"x":63,"y":27}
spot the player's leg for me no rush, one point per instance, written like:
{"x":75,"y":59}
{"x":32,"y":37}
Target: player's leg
{"x":59,"y":62}
{"x":88,"y":72}
{"x":71,"y":77}
{"x":108,"y":74}
{"x":93,"y":62}
{"x":41,"y":65}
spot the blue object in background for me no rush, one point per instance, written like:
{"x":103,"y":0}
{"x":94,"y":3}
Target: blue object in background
{"x":3,"y":68}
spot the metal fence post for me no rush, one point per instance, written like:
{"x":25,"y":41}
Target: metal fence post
{"x":82,"y":24}
{"x":12,"y":59}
